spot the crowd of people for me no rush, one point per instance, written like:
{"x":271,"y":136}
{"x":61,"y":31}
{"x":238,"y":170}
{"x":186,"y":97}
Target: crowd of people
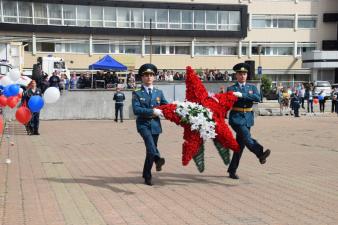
{"x":205,"y":75}
{"x":293,"y":98}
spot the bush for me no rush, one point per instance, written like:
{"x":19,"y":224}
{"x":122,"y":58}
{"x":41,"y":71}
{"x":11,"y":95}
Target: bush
{"x":266,"y":85}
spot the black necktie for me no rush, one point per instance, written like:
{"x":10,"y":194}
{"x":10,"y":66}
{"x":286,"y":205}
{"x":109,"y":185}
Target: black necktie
{"x":242,"y":86}
{"x":149,"y":92}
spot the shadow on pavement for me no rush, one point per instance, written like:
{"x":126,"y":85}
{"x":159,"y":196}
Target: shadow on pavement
{"x":163,"y":179}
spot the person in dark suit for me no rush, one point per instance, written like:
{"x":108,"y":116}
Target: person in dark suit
{"x":241,"y":118}
{"x":295,"y":104}
{"x":148,"y":122}
{"x":119,"y":99}
{"x":32,"y":90}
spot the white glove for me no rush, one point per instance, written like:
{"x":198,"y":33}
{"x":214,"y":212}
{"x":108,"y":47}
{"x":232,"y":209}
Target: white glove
{"x":212,"y":95}
{"x":158,"y":112}
{"x":238,"y":94}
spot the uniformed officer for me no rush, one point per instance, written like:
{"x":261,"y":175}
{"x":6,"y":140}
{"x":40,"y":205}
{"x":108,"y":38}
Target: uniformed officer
{"x":241,"y":118}
{"x":33,"y":125}
{"x":148,"y":121}
{"x":295,"y":104}
{"x":119,"y":98}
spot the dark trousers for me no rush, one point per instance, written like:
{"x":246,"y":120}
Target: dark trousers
{"x":152,"y":153}
{"x":322,"y":105}
{"x":302,"y":99}
{"x":309,"y":105}
{"x":244,"y":139}
{"x":296,"y":110}
{"x":35,"y":121}
{"x":334,"y":103}
{"x":119,"y":108}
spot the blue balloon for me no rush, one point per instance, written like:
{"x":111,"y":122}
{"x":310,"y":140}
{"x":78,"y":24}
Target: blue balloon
{"x":6,"y":91}
{"x":1,"y":87}
{"x":11,"y":90}
{"x":14,"y":89}
{"x":35,"y":103}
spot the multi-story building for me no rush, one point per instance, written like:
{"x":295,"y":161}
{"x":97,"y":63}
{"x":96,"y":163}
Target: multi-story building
{"x":213,"y":34}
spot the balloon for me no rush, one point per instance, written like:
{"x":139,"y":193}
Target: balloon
{"x":3,"y":101}
{"x":14,"y":74}
{"x":20,"y":91}
{"x":7,"y":92}
{"x":12,"y":101}
{"x":315,"y":101}
{"x":5,"y":80}
{"x":20,"y":95}
{"x":35,"y":103}
{"x":23,"y":115}
{"x":51,"y":95}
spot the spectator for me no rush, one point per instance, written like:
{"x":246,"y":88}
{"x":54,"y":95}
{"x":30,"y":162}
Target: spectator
{"x":54,"y":80}
{"x":321,"y":98}
{"x":131,"y":84}
{"x":81,"y":82}
{"x":334,"y":97}
{"x":73,"y":81}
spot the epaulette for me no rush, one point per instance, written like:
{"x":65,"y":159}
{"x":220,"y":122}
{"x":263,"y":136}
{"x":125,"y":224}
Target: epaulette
{"x":137,"y":89}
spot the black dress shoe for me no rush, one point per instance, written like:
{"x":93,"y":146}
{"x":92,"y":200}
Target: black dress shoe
{"x":265,"y":155}
{"x":159,"y":163}
{"x":233,"y":176}
{"x":115,"y":120}
{"x":148,"y":182}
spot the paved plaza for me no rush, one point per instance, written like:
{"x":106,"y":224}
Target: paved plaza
{"x":89,"y":173}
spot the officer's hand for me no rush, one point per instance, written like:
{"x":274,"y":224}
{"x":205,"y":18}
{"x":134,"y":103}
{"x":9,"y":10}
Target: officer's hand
{"x":238,"y":94}
{"x":158,"y":112}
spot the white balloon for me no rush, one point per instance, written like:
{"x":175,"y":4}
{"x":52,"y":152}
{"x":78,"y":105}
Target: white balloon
{"x":5,"y":80}
{"x":20,"y":91}
{"x":14,"y":74}
{"x":51,"y":95}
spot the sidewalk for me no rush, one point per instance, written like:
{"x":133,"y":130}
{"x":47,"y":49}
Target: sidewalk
{"x":89,"y":173}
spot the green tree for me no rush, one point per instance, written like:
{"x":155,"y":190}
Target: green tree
{"x":266,"y":85}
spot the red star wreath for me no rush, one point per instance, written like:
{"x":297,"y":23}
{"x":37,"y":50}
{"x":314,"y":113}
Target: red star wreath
{"x":202,"y":117}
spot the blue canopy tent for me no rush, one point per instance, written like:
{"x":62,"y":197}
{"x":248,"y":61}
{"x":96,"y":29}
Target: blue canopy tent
{"x":108,"y":63}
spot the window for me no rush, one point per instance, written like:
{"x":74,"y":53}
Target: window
{"x":83,"y":16}
{"x":96,"y":14}
{"x":307,"y":21}
{"x":109,"y":17}
{"x":25,"y":13}
{"x":149,"y":14}
{"x":77,"y":47}
{"x":101,"y":48}
{"x":69,"y":15}
{"x":55,"y":14}
{"x":272,"y":21}
{"x":132,"y":47}
{"x":211,"y":20}
{"x":9,"y":11}
{"x":162,"y":19}
{"x":223,"y":20}
{"x":273,"y":49}
{"x":40,"y":13}
{"x":210,"y":49}
{"x":45,"y":47}
{"x":123,"y":17}
{"x":187,"y":18}
{"x":182,"y":50}
{"x":305,"y":47}
{"x":199,"y":20}
{"x":174,"y":19}
{"x":234,"y":20}
{"x":136,"y":18}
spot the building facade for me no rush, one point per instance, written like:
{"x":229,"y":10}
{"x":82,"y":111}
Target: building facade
{"x":213,"y":35}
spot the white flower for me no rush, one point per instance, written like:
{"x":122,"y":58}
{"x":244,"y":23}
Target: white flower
{"x":199,"y":118}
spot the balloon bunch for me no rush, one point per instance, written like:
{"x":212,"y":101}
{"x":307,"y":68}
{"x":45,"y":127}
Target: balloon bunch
{"x":12,"y":93}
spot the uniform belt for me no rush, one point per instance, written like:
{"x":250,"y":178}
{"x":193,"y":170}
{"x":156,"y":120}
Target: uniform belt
{"x":239,"y":109}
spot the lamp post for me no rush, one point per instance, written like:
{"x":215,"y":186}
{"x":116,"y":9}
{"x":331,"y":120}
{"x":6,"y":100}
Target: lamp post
{"x":151,"y":40}
{"x":260,"y":70}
